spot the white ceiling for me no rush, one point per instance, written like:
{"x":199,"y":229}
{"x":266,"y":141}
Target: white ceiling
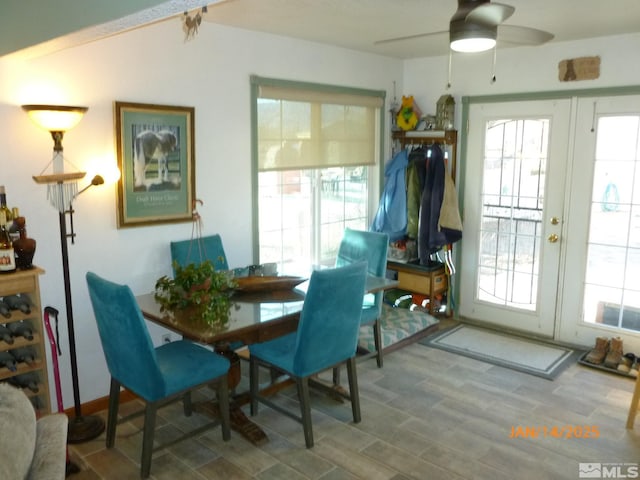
{"x":359,"y":24}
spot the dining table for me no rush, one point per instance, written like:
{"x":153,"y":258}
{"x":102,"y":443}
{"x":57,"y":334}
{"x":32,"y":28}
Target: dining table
{"x":256,"y":315}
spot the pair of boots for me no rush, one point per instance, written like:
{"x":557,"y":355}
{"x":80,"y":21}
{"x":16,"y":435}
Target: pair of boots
{"x":606,"y":352}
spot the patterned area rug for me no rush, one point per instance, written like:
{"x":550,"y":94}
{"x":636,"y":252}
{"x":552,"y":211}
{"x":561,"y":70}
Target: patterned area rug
{"x":397,"y":324}
{"x":518,"y":353}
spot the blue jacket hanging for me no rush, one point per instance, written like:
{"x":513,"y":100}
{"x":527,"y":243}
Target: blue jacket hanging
{"x":432,"y":236}
{"x":391,"y":217}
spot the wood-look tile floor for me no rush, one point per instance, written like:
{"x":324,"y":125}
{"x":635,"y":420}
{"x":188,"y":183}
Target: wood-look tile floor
{"x":428,"y":414}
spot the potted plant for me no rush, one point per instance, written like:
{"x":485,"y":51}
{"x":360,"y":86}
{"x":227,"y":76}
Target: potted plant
{"x":198,"y":287}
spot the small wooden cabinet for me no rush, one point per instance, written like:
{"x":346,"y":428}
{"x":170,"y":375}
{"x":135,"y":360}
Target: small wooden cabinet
{"x":428,"y":281}
{"x":26,"y":283}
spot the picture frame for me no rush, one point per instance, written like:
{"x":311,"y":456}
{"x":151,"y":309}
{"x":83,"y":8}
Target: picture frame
{"x":156,"y":156}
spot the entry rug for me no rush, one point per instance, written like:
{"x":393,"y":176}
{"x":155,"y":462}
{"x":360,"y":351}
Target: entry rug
{"x":509,"y":351}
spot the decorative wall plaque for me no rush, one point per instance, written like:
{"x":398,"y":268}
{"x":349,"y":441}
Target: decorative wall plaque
{"x":583,"y":68}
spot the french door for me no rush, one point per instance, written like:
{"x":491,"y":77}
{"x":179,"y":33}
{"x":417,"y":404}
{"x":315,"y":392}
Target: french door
{"x":601,"y":291}
{"x":513,"y":213}
{"x":551,"y":241}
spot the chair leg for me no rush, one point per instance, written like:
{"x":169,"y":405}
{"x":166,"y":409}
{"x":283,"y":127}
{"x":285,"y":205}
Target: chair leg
{"x":187,"y":406}
{"x":305,"y":409}
{"x":223,"y":407}
{"x":253,"y":385}
{"x":633,"y":408}
{"x":147,"y":438}
{"x":112,"y":416}
{"x":336,"y":375}
{"x":353,"y":389}
{"x":377,"y":338}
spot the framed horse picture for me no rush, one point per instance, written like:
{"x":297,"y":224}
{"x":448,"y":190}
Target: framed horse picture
{"x":156,"y":157}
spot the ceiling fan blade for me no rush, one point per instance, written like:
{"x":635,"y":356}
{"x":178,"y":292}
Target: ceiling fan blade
{"x":517,"y":35}
{"x":490,"y":14}
{"x":409,"y":37}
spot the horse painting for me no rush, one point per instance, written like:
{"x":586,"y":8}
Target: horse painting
{"x":150,"y":146}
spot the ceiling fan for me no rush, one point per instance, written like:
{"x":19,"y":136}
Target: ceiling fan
{"x":477,"y":25}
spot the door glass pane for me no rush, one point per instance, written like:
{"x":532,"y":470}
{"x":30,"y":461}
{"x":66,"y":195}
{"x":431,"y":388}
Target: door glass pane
{"x":515,"y":160}
{"x":612,"y":291}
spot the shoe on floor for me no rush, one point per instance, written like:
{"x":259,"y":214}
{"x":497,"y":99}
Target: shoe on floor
{"x":598,"y":352}
{"x":615,"y":353}
{"x":625,"y":363}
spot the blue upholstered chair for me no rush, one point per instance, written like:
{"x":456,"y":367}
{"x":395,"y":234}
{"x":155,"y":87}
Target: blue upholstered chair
{"x":356,"y":246}
{"x":327,"y":336}
{"x":156,"y":375}
{"x":199,"y":250}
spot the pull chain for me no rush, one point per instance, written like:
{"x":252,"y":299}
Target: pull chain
{"x":449,"y":70}
{"x":493,"y":66}
{"x":593,"y":119}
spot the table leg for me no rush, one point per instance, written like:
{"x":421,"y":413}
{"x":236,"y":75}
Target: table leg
{"x":239,"y":421}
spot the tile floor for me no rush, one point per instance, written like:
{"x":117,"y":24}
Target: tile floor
{"x":428,"y":414}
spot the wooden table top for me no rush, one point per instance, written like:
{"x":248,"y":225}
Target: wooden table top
{"x":254,"y":317}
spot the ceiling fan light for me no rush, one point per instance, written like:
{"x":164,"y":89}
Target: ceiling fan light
{"x":471,"y":37}
{"x":472,"y":45}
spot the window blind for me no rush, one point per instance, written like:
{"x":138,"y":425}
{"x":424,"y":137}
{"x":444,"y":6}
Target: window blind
{"x":304,"y":127}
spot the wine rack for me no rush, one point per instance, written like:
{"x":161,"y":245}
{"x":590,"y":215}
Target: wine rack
{"x":26,"y":283}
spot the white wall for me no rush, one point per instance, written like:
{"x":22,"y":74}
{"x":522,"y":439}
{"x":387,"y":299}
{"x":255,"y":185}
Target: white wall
{"x":524,"y":69}
{"x":150,"y":65}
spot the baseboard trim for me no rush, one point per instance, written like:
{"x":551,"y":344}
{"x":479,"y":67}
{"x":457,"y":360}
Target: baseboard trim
{"x":100,"y":404}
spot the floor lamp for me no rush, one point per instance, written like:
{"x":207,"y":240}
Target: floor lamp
{"x":62,"y":189}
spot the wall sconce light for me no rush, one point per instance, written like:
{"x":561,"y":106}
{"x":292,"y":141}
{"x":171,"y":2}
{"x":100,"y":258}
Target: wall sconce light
{"x":62,"y":189}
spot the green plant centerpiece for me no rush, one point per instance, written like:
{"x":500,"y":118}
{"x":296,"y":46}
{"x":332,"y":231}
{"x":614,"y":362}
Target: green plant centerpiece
{"x":200,"y":288}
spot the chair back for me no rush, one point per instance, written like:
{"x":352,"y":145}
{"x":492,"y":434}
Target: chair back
{"x":128,"y":349}
{"x":358,"y":245}
{"x":197,"y":250}
{"x":330,"y":319}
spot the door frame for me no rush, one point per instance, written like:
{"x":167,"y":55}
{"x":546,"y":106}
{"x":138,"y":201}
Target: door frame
{"x":569,"y":94}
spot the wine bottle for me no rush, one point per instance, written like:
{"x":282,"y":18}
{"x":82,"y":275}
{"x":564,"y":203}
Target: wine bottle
{"x":14,"y":231}
{"x":5,"y":311}
{"x":5,"y":335}
{"x":21,"y":329}
{"x":7,"y":361}
{"x":26,"y":380}
{"x":18,"y":302}
{"x":7,"y":255}
{"x":3,"y":208}
{"x":24,"y":354}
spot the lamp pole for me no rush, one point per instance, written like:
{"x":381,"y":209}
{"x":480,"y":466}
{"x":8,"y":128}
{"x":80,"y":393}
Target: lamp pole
{"x":62,"y":189}
{"x":81,"y":428}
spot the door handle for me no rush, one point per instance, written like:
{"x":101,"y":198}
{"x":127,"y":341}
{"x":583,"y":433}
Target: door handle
{"x":553,"y":238}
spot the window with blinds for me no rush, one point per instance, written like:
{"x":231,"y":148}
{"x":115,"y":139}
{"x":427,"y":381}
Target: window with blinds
{"x":314,"y":148}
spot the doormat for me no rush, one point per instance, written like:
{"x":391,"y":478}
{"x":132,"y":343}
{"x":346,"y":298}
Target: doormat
{"x":517,"y":353}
